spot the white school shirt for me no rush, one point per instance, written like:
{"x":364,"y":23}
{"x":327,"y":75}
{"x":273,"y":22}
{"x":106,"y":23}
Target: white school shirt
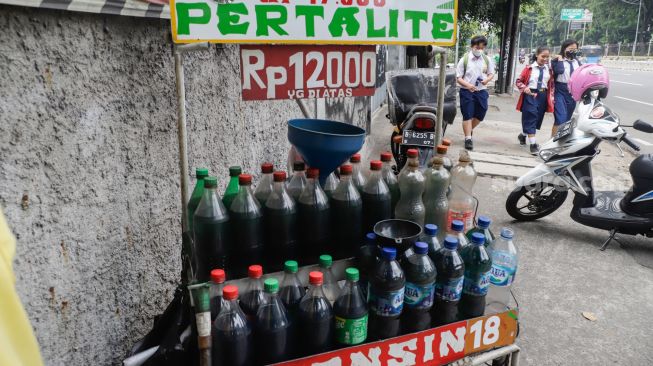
{"x":535,"y":74}
{"x":475,"y":68}
{"x":564,"y":78}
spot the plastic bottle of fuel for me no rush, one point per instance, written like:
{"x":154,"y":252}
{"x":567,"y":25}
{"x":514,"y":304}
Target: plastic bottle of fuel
{"x":218,"y":277}
{"x":411,"y":184}
{"x":247,"y":231}
{"x":346,"y":215}
{"x":253,"y":295}
{"x":292,"y":290}
{"x":483,"y":226}
{"x":265,"y":184}
{"x":233,"y":186}
{"x":210,"y":229}
{"x":504,"y":268}
{"x":450,"y":270}
{"x":298,"y":181}
{"x":420,"y":289}
{"x":390,"y":179}
{"x":280,"y":224}
{"x":411,"y":155}
{"x":435,"y":194}
{"x":331,"y":184}
{"x":477,"y":277}
{"x":313,"y":217}
{"x":386,"y":296}
{"x":458,"y":230}
{"x":366,"y":261}
{"x":358,"y":176}
{"x":316,"y":321}
{"x":442,"y":151}
{"x":272,"y":331}
{"x":430,"y":237}
{"x":196,"y":196}
{"x":329,"y":285}
{"x":233,"y":343}
{"x":377,"y":199}
{"x":461,"y":202}
{"x":351,"y":312}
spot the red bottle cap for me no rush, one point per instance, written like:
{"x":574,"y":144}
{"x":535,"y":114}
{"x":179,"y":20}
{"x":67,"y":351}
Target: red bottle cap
{"x":313,"y":173}
{"x":386,"y":156}
{"x":244,"y":179}
{"x":346,"y":169}
{"x":442,"y":149}
{"x":446,"y":142}
{"x":218,"y":276}
{"x":315,"y":278}
{"x":267,"y":168}
{"x":376,"y":165}
{"x":230,"y":292}
{"x":279,"y":176}
{"x":397,"y":139}
{"x":356,"y":158}
{"x":412,"y":153}
{"x":255,"y":271}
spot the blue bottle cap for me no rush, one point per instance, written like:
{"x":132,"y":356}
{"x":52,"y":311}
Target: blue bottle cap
{"x":370,"y":238}
{"x":451,"y":242}
{"x":457,"y":226}
{"x":507,"y":233}
{"x":389,"y":253}
{"x":478,"y":239}
{"x":484,"y":222}
{"x":431,"y":230}
{"x":421,"y":247}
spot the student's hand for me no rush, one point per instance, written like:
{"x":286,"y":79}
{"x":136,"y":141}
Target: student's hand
{"x":472,"y":89}
{"x":557,"y":58}
{"x":485,"y":82}
{"x":527,"y":91}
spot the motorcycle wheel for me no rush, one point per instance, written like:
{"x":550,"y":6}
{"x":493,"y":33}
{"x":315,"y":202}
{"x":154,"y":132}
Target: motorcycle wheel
{"x":532,"y":203}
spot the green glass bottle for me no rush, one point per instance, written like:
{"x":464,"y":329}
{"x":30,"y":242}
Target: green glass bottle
{"x":196,"y":196}
{"x":233,"y":187}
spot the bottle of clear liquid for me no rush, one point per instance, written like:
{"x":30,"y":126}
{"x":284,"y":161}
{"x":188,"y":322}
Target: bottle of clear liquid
{"x":331,"y":184}
{"x":329,"y":285}
{"x":435,"y":194}
{"x":430,"y":237}
{"x":273,"y":334}
{"x":458,"y":230}
{"x":358,"y":176}
{"x":211,"y":232}
{"x":390,"y":178}
{"x":280,"y":224}
{"x":314,"y":219}
{"x":442,"y":151}
{"x":298,"y":181}
{"x":196,"y":196}
{"x":477,"y":277}
{"x":218,"y":277}
{"x":233,"y":186}
{"x":377,"y":199}
{"x":483,"y":226}
{"x":316,"y":323}
{"x":504,"y":268}
{"x":411,"y":184}
{"x":265,"y":184}
{"x":350,"y":310}
{"x":461,"y":202}
{"x":346,"y":215}
{"x":247,"y":221}
{"x":233,"y":342}
{"x":253,"y":295}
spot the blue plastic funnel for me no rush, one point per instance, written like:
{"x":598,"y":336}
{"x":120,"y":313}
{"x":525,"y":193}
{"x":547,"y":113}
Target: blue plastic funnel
{"x":325,"y":144}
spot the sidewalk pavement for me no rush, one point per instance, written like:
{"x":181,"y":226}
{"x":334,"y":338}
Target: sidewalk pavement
{"x":561,"y":271}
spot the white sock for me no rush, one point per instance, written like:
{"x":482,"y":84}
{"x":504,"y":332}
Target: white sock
{"x":468,"y":138}
{"x":523,"y":134}
{"x":532,"y":140}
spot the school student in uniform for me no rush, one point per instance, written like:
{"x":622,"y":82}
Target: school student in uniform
{"x":475,"y":70}
{"x":536,"y":84}
{"x":563,"y":66}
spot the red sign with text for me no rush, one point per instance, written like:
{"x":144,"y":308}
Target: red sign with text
{"x":307,"y":72}
{"x":433,"y":347}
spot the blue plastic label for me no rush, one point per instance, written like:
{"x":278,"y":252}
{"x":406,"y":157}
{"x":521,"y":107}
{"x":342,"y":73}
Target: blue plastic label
{"x":387,"y":303}
{"x":419,"y":296}
{"x":477,"y":285}
{"x":501,"y":275}
{"x":451,"y":290}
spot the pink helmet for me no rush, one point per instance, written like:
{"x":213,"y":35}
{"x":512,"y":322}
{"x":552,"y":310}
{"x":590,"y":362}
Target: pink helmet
{"x":589,"y":77}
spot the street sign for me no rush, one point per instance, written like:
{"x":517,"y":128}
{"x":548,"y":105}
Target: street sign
{"x":302,"y":72}
{"x":572,"y":14}
{"x":575,"y":25}
{"x":407,"y":22}
{"x":433,"y":347}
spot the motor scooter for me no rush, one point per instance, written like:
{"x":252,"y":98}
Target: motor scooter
{"x":567,"y":167}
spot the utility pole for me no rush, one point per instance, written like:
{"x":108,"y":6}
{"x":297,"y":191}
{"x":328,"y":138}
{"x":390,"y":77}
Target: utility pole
{"x":582,"y":42}
{"x":532,"y":31}
{"x":639,"y":12}
{"x":457,"y":45}
{"x":648,"y":54}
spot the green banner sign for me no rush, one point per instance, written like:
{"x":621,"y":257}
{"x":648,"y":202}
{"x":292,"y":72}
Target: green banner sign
{"x":572,"y":14}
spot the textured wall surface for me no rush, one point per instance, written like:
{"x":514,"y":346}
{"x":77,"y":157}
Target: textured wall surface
{"x":89,"y":172}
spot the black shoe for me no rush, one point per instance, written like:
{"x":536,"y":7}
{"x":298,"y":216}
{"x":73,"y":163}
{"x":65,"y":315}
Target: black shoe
{"x":522,"y":139}
{"x":469,"y":145}
{"x":535,"y":149}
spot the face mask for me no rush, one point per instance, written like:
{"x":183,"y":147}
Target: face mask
{"x":571,"y":54}
{"x":477,"y":53}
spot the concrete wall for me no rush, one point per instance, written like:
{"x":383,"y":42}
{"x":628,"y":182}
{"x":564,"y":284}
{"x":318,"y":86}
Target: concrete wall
{"x":89,"y":171}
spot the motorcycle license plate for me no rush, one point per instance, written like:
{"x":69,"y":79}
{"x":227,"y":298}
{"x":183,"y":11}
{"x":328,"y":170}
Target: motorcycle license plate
{"x":415,"y":138}
{"x":563,"y":131}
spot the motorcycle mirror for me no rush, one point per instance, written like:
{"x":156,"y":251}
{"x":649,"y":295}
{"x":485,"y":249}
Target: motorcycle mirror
{"x":640,"y":125}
